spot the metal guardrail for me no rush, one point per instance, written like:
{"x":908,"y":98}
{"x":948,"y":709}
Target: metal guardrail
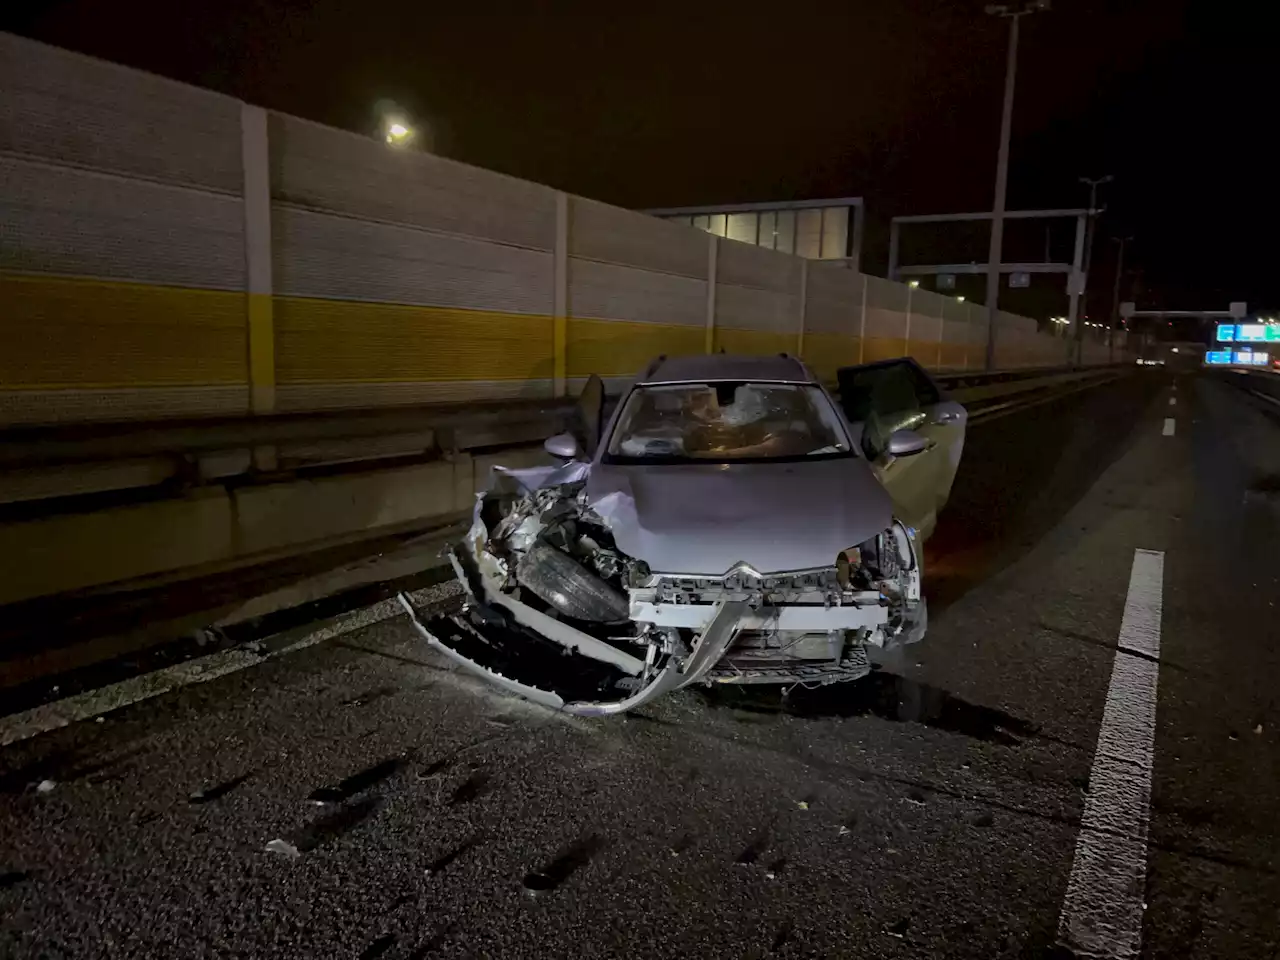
{"x":65,"y":443}
{"x":76,"y":460}
{"x":1261,"y":383}
{"x":62,"y":443}
{"x":44,"y":463}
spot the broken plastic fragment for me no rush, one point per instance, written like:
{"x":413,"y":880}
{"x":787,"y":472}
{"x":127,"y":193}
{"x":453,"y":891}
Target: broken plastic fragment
{"x":898,"y":928}
{"x":45,"y":786}
{"x":283,"y":847}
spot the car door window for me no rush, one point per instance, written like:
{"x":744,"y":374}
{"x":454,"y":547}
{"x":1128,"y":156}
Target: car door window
{"x":884,"y":398}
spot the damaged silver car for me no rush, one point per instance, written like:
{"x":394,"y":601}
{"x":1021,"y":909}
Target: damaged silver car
{"x":732,"y":523}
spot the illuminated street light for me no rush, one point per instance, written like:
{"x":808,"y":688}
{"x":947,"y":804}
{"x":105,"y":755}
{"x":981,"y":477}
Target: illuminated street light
{"x":398,"y":133}
{"x":398,"y":126}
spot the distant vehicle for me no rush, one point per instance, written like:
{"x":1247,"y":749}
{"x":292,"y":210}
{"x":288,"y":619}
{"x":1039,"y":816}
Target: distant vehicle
{"x":732,"y":523}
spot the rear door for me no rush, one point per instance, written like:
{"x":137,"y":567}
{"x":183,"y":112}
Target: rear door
{"x":880,"y":398}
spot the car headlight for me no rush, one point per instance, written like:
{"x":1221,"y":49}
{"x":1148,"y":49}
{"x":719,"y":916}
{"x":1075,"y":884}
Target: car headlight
{"x":847,"y":561}
{"x":904,"y":538}
{"x":887,"y":553}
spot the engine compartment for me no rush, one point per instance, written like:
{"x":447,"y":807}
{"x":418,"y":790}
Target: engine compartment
{"x":558,"y":613}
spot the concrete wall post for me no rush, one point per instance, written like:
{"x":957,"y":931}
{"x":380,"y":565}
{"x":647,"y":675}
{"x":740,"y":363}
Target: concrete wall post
{"x":257,"y":248}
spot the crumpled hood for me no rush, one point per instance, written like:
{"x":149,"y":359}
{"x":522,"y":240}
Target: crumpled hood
{"x":703,"y":518}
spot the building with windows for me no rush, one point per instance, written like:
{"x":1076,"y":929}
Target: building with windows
{"x":814,"y":229}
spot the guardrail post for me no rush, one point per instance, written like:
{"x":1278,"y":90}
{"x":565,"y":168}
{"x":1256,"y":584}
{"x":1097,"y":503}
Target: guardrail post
{"x":560,"y":298}
{"x":257,"y":249}
{"x":713,"y":257}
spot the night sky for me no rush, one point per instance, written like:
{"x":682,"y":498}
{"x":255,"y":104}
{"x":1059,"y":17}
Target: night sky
{"x":893,"y":100}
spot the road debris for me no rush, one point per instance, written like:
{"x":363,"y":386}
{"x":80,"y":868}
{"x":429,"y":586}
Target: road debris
{"x":283,"y":847}
{"x":576,"y":855}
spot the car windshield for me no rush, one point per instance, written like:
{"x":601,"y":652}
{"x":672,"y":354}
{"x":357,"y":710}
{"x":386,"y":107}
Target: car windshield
{"x":727,"y":421}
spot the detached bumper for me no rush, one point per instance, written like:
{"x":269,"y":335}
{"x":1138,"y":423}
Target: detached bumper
{"x":521,"y":661}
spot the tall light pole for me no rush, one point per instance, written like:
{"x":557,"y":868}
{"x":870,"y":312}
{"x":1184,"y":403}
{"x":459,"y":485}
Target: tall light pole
{"x":1115,"y":298}
{"x":1013,"y":12}
{"x":1088,"y":254}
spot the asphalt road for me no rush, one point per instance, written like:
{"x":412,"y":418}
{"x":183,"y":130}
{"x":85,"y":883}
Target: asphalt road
{"x":933,"y":810}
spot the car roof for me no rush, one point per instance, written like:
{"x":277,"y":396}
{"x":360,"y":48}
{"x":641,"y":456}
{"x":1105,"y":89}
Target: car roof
{"x":778,"y":367}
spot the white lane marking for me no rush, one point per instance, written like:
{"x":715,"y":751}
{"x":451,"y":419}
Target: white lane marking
{"x":1102,"y":911}
{"x":1173,"y":401}
{"x":1168,"y":426}
{"x":93,"y":703}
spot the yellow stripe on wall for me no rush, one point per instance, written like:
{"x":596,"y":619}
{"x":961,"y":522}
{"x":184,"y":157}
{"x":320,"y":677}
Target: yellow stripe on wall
{"x":61,"y":333}
{"x":882,"y":348}
{"x":58,"y":332}
{"x":825,"y":353}
{"x":953,"y":355}
{"x":262,"y":353}
{"x":754,"y":341}
{"x":621,"y":348}
{"x":344,"y":340}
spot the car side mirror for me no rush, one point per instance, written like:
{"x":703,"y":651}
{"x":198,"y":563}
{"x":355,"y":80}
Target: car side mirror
{"x":904,"y":443}
{"x":562,"y":445}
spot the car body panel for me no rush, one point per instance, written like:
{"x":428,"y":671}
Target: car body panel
{"x":703,"y":518}
{"x":889,"y":395}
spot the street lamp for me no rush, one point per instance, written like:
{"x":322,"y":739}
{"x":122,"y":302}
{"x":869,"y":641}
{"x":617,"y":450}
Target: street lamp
{"x":1013,"y":12}
{"x":398,"y":133}
{"x":1115,"y":298}
{"x":1088,"y":243}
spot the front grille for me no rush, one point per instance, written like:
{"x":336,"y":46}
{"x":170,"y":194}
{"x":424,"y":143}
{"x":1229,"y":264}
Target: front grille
{"x":667,"y":587}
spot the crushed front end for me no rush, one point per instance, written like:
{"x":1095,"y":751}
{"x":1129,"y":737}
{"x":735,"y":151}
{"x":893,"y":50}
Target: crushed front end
{"x":556,"y":613}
